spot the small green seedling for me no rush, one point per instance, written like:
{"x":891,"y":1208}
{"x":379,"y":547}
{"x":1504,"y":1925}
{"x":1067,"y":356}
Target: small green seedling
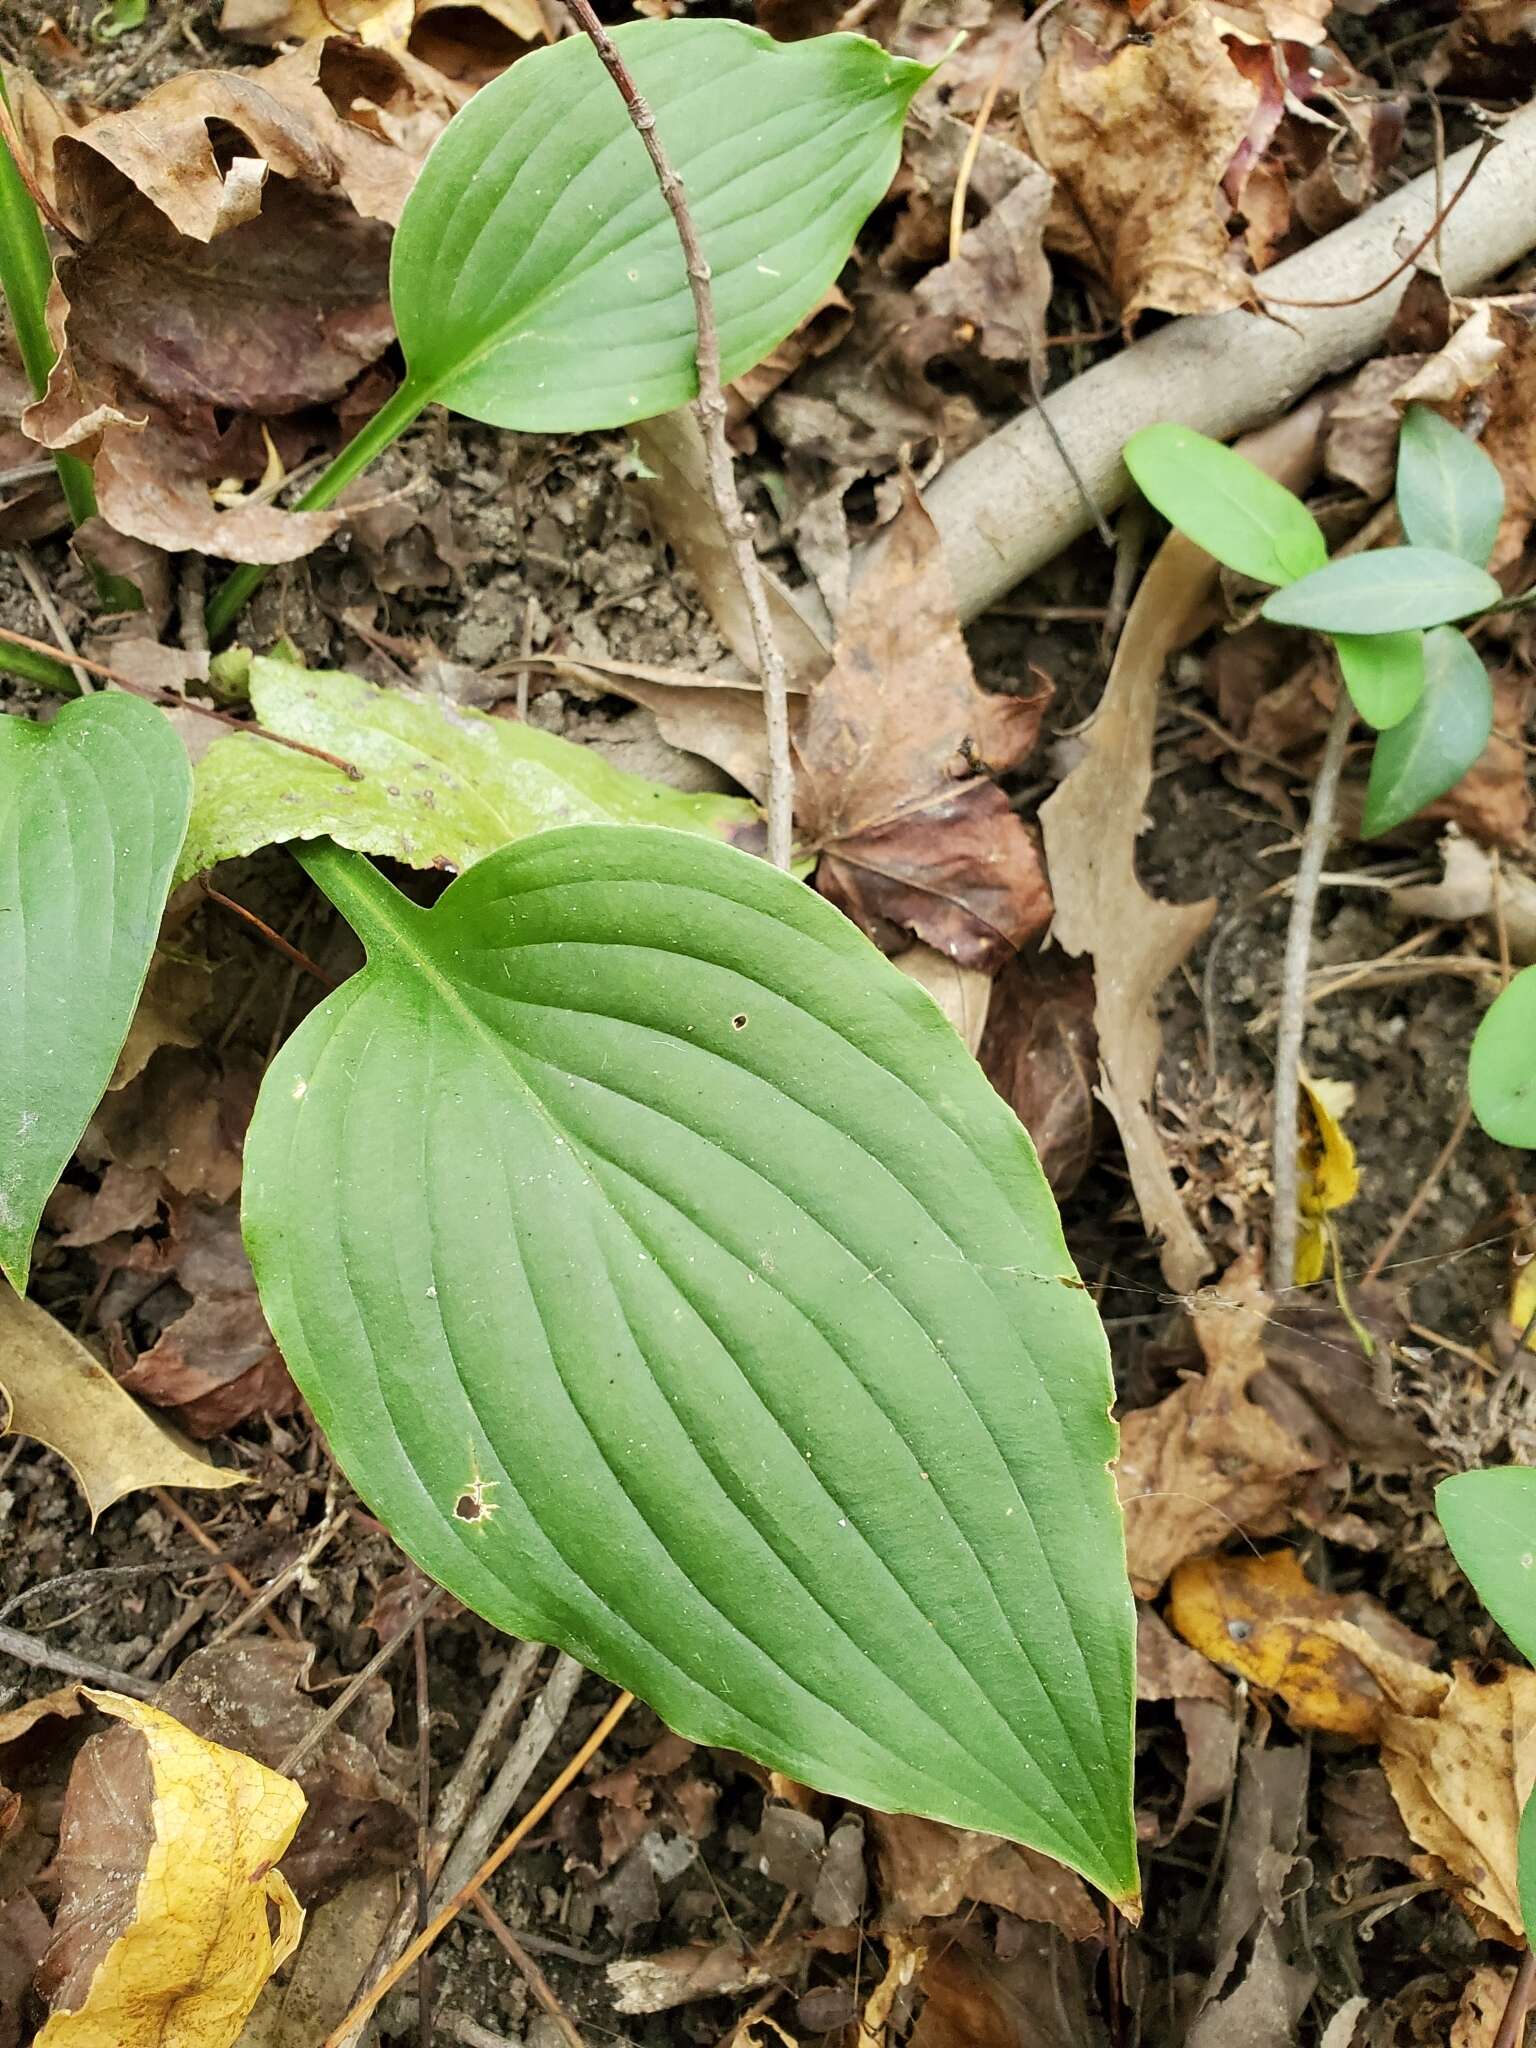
{"x":1409,"y":673}
{"x":1489,"y":1520}
{"x":537,"y":279}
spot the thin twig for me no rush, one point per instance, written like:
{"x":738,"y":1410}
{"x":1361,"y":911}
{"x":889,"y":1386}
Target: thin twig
{"x":311,"y":1741}
{"x":43,"y":1657}
{"x":275,"y":1588}
{"x":1293,"y":1000}
{"x":1512,"y":2025}
{"x":1422,"y":1193}
{"x":1489,"y":142}
{"x":456,"y":1804}
{"x":364,"y":2008}
{"x":710,"y":408}
{"x":290,"y":952}
{"x":423,"y":1821}
{"x":32,"y":576}
{"x":537,"y":1982}
{"x":242,"y":1585}
{"x":172,"y":700}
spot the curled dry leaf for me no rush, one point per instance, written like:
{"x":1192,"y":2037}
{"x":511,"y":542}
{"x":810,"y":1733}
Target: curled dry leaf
{"x":213,"y":288}
{"x":1037,"y":1999}
{"x":1139,"y":140}
{"x":1261,"y":1618}
{"x":928,"y":1870}
{"x":681,"y":1976}
{"x":997,"y":286}
{"x":1091,"y":824}
{"x":1040,"y":1052}
{"x":964,"y":994}
{"x":166,"y":1856}
{"x":1466,"y":890}
{"x":1208,"y":1461}
{"x":52,"y":1388}
{"x":1460,"y":1755}
{"x":468,"y":38}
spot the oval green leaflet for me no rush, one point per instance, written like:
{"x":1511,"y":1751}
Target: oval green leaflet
{"x":667,"y":1276}
{"x":1430,"y":750}
{"x":92,"y":811}
{"x":1225,"y":503}
{"x":1501,"y":1071}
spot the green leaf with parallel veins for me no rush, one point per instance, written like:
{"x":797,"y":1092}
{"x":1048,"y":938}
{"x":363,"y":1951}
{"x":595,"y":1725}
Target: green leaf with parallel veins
{"x":440,"y":786}
{"x":1489,"y":1519}
{"x":1390,"y":590}
{"x":1501,"y":1072}
{"x":669,"y":1279}
{"x":1438,"y":741}
{"x":1225,"y":504}
{"x":1384,"y":674}
{"x":537,"y":278}
{"x":1449,"y":493}
{"x":92,"y":811}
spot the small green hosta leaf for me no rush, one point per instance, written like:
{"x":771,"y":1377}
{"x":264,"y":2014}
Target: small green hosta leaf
{"x":1435,"y":745}
{"x":92,"y":812}
{"x":667,"y":1276}
{"x":1390,"y":590}
{"x":1501,"y":1072}
{"x":1449,"y":493}
{"x":1489,"y":1519}
{"x":1384,"y":674}
{"x":440,"y":786}
{"x":537,"y":278}
{"x":1225,"y":504}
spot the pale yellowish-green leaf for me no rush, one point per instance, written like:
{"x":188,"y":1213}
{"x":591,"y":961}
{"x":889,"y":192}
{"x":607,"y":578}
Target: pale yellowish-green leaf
{"x":190,"y":1964}
{"x":52,"y":1388}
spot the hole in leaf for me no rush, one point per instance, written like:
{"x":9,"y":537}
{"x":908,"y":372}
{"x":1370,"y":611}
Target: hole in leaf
{"x":739,"y":1021}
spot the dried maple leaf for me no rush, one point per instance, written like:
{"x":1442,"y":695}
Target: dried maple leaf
{"x":894,"y":750}
{"x":1139,"y":140}
{"x":1209,"y":1460}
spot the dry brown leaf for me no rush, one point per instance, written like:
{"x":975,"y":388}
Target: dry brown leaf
{"x":303,"y":2006}
{"x":1091,"y":824}
{"x":52,"y":1388}
{"x":166,"y":1878}
{"x":1483,"y":2002}
{"x":1465,"y":894}
{"x":1038,"y":1999}
{"x":997,"y":286}
{"x":678,"y":504}
{"x":1040,"y":1053}
{"x":1460,"y":1756}
{"x":894,"y":748}
{"x":679,"y":1976}
{"x":215,"y":1364}
{"x":964,"y":994}
{"x":245,"y":1695}
{"x":1167,"y":1669}
{"x":211,"y":288}
{"x":1263,"y":1619}
{"x":378,"y":24}
{"x":927,"y":1870}
{"x":1138,"y":141}
{"x":1207,"y":1462}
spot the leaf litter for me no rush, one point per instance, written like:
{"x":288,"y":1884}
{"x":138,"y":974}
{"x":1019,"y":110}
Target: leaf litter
{"x":1254,"y":1422}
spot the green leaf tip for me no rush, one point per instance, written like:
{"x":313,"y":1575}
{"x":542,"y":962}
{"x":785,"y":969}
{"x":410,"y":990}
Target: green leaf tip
{"x":92,"y":811}
{"x":537,"y":279}
{"x":630,"y":1196}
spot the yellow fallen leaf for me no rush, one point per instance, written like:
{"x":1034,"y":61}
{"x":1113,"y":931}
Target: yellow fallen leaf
{"x":1329,"y":1178}
{"x":1262,"y":1618}
{"x":51,"y":1388}
{"x":904,"y":1962}
{"x":188,"y":1967}
{"x":382,"y":24}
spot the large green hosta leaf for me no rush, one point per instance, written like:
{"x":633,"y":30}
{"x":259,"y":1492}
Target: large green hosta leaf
{"x":92,"y":810}
{"x":537,"y":279}
{"x":668,"y":1277}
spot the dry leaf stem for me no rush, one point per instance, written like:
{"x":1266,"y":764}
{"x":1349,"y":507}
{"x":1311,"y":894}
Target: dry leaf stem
{"x":1285,"y":1214}
{"x":710,"y":408}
